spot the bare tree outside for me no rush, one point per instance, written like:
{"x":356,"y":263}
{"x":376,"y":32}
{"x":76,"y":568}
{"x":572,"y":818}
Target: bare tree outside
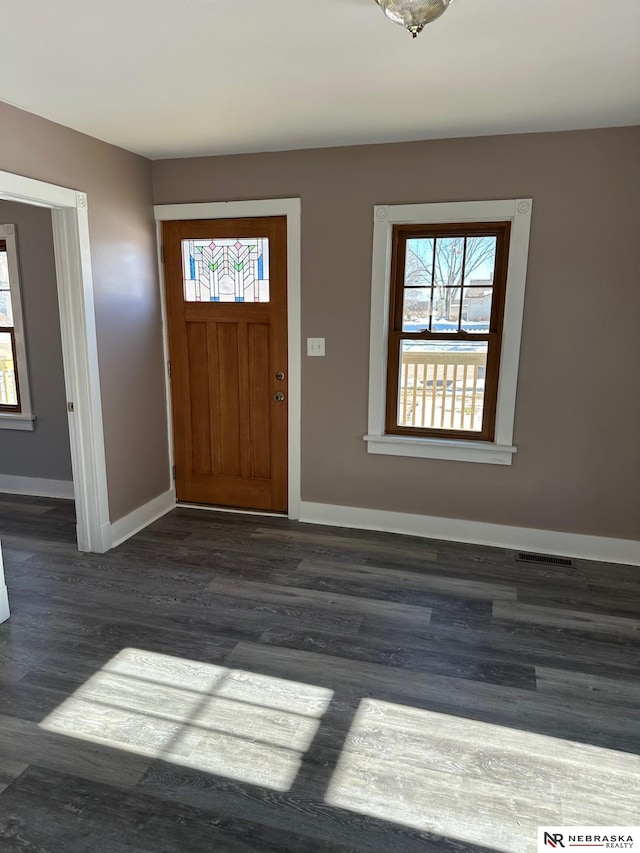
{"x":448,"y":276}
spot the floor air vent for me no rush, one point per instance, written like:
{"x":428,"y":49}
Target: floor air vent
{"x":523,"y":557}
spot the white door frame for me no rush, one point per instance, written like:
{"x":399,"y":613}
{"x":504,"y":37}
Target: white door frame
{"x":70,"y":222}
{"x":291,"y":208}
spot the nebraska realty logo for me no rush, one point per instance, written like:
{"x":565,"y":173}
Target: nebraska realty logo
{"x":593,"y":837}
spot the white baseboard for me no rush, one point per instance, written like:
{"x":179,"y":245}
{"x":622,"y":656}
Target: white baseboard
{"x":119,"y":531}
{"x":36,"y":486}
{"x":4,"y":596}
{"x":577,"y":545}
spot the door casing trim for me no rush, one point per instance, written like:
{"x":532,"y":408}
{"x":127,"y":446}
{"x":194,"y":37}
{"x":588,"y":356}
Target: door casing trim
{"x":292,"y":209}
{"x":72,"y":247}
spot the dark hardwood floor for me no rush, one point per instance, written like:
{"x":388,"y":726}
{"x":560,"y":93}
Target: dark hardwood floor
{"x":237,"y":683}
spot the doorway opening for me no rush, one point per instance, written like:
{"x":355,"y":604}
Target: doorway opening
{"x":72,"y":253}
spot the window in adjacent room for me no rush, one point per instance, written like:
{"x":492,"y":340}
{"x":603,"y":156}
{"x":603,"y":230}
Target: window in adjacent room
{"x":15,"y":405}
{"x":448,"y":290}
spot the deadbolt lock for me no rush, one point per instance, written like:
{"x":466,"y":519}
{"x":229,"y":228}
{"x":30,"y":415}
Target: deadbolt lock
{"x":278,"y":397}
{"x":280,"y":375}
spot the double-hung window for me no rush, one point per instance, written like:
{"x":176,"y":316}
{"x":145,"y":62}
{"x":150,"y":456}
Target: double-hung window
{"x":447,"y":302}
{"x":15,"y":402}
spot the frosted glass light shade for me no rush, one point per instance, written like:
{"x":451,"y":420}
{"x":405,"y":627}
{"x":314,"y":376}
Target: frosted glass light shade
{"x":414,"y":15}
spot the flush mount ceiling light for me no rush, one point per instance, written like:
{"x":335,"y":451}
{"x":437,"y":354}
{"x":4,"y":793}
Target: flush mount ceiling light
{"x":414,"y":15}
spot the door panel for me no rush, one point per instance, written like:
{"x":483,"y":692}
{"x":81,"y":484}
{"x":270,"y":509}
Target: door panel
{"x":260,"y":403}
{"x":226,"y":308}
{"x":199,"y":398}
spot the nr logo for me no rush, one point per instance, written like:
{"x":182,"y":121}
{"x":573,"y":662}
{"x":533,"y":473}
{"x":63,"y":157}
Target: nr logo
{"x":554,"y":840}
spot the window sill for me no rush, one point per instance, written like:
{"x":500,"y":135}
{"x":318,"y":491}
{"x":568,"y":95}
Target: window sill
{"x":436,"y":448}
{"x":24,"y":422}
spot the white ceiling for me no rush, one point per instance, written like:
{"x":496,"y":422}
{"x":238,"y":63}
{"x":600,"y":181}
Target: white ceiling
{"x":167,"y":78}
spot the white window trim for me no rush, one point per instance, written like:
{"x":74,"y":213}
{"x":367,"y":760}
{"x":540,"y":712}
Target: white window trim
{"x":501,"y":450}
{"x":24,"y":419}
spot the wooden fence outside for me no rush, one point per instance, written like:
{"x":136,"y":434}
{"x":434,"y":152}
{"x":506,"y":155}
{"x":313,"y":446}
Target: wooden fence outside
{"x":442,"y":390}
{"x":8,"y":391}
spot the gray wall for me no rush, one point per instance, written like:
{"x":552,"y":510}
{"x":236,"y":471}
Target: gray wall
{"x":45,"y":451}
{"x":127,"y":301}
{"x":578,"y":409}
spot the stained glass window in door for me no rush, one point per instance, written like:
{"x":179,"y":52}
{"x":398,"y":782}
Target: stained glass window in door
{"x":226,"y":270}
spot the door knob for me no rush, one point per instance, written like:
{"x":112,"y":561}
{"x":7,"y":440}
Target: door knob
{"x":278,"y":397}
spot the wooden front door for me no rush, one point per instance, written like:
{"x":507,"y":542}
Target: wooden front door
{"x":226,"y":283}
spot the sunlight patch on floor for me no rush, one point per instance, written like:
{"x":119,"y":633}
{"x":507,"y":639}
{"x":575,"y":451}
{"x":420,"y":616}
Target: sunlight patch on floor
{"x":233,"y":723}
{"x":462,"y":778}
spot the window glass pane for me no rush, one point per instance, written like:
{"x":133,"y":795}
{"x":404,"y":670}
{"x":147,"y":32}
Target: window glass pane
{"x":476,"y":308}
{"x":418,"y":262}
{"x":449,"y":258}
{"x":446,"y":309}
{"x":479,"y":269}
{"x":442,"y":385}
{"x":229,"y":270}
{"x":416,"y":311}
{"x":8,"y":389}
{"x":447,"y":282}
{"x":6,"y":310}
{"x":480,"y":261}
{"x":4,"y":269}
